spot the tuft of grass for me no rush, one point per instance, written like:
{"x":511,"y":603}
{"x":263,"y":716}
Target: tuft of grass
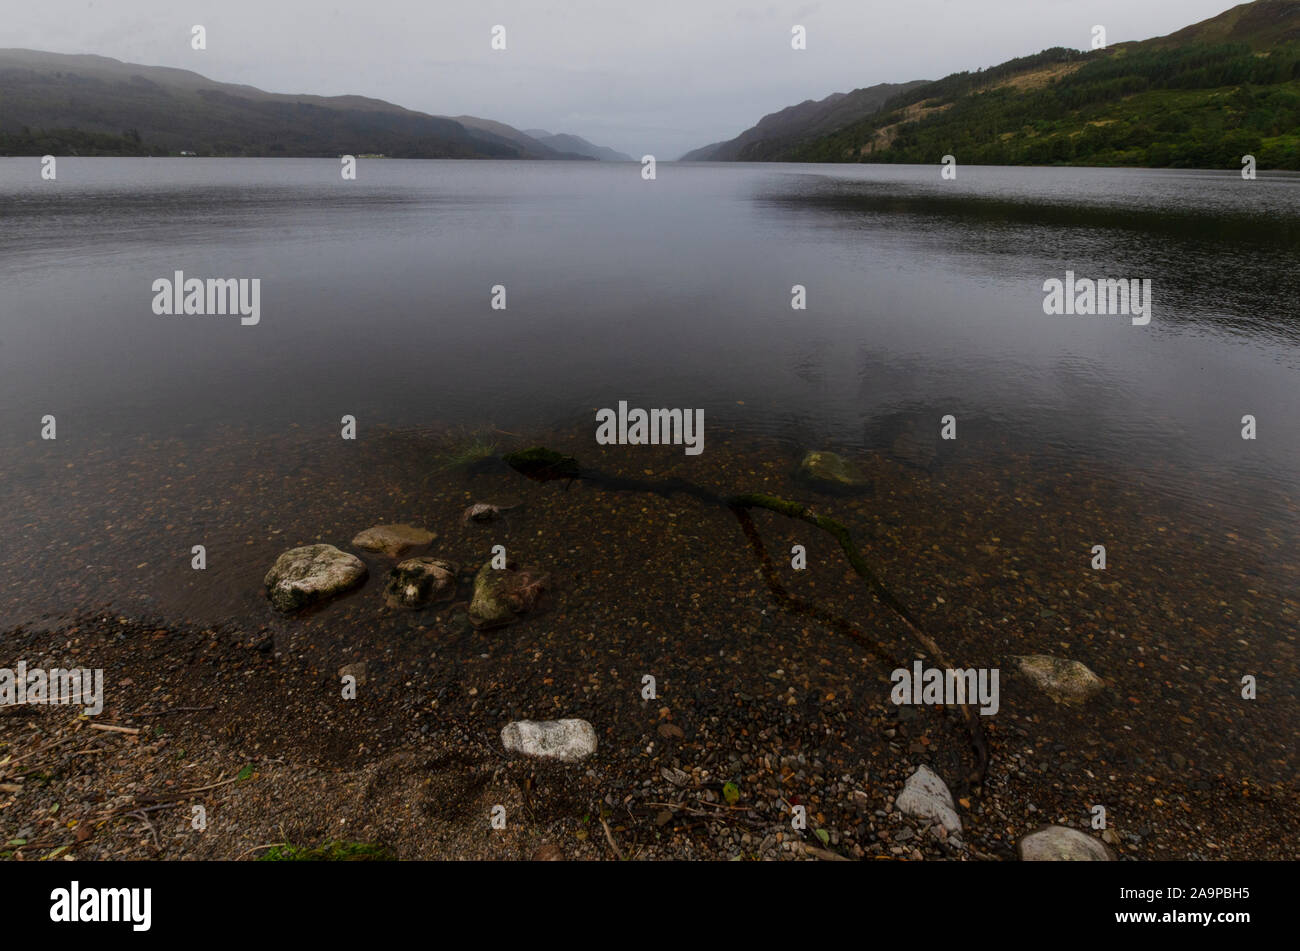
{"x":334,"y":851}
{"x":467,"y":449}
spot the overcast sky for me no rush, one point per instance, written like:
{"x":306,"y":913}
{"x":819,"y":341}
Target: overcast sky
{"x":655,"y":77}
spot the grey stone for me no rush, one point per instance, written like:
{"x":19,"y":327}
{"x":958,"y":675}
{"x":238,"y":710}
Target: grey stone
{"x":303,"y":576}
{"x":393,"y":540}
{"x":1061,"y":844}
{"x":926,"y":796}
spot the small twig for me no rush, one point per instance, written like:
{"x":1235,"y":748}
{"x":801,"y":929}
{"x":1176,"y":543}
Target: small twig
{"x":166,"y":801}
{"x":132,"y":810}
{"x":163,"y":713}
{"x":40,"y":749}
{"x":269,"y":845}
{"x":609,"y":837}
{"x":698,"y":802}
{"x":112,"y":728}
{"x":140,"y":814}
{"x":181,"y":793}
{"x":700,"y":813}
{"x":826,"y":855}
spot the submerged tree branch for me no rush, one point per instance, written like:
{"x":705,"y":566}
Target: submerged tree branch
{"x":544,"y":465}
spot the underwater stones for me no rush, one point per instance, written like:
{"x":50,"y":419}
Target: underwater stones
{"x":418,"y":582}
{"x":480,"y":512}
{"x":926,"y":796}
{"x":565,"y":740}
{"x":1065,"y":681}
{"x":1061,"y":844}
{"x":303,"y":576}
{"x":828,"y":471}
{"x":393,"y":540}
{"x":357,"y":671}
{"x":915,"y":450}
{"x":486,"y":511}
{"x":502,"y":594}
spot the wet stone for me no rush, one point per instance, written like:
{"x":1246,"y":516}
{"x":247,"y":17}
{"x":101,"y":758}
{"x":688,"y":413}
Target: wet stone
{"x":1064,"y":680}
{"x":827,"y":470}
{"x":393,"y":540}
{"x":419,"y":582}
{"x":503,"y":594}
{"x":303,"y":576}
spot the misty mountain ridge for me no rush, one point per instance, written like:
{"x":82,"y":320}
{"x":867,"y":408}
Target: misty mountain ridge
{"x":568,"y":142}
{"x":783,"y":130}
{"x":95,"y":105}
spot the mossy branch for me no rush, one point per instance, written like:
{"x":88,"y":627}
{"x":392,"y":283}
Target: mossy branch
{"x":741,"y":503}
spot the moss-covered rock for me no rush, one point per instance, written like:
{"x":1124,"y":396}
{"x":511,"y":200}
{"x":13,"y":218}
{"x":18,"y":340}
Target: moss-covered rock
{"x":502,"y":594}
{"x":1064,"y":680}
{"x":831,"y":472}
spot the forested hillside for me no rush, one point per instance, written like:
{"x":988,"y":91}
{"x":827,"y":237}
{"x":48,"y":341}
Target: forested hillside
{"x":1200,"y":105}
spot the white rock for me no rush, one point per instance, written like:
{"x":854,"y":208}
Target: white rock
{"x":1061,"y":844}
{"x":565,"y":740}
{"x":924,"y":795}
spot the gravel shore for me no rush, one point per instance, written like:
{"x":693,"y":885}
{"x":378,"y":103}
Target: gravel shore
{"x":757,"y":709}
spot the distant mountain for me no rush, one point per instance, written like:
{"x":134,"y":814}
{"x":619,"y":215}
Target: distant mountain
{"x":566,"y":142}
{"x":1202,"y":97}
{"x":782,"y":131}
{"x":92,"y":105}
{"x":490,"y":130}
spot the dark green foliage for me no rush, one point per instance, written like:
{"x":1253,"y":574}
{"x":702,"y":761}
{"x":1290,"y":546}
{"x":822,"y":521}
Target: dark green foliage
{"x":70,"y":142}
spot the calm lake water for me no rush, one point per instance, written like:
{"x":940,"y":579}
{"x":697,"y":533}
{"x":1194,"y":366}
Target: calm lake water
{"x":924,"y":298}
